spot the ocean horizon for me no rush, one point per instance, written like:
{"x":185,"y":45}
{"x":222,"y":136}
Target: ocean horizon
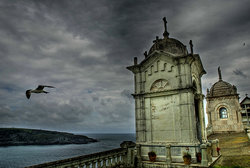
{"x":28,"y":155}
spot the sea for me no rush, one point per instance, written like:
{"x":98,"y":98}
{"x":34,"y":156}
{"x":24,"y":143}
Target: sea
{"x":22,"y":156}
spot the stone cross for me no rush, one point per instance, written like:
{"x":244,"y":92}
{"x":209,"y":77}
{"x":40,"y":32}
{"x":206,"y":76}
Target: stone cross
{"x":191,"y":46}
{"x":156,"y":41}
{"x":165,"y":34}
{"x":219,"y":72}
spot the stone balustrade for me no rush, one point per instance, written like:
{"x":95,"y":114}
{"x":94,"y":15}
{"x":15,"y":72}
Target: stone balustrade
{"x":173,"y":154}
{"x":120,"y":157}
{"x":135,"y":156}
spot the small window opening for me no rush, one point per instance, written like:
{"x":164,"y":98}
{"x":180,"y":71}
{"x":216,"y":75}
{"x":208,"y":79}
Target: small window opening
{"x":223,"y":113}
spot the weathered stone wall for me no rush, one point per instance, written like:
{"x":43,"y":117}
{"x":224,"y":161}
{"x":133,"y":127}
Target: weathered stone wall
{"x":234,"y":120}
{"x":164,"y":99}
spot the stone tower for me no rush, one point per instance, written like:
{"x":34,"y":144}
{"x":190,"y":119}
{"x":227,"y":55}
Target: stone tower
{"x":168,"y":99}
{"x":223,"y":108}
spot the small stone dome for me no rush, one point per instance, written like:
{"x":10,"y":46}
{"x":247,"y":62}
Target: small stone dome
{"x":170,"y":45}
{"x":167,"y":44}
{"x":221,"y":88}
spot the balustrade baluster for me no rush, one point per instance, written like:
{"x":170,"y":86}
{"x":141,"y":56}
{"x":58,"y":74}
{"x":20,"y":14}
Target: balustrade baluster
{"x":99,"y":163}
{"x":81,"y":165}
{"x":112,"y":160}
{"x":94,"y":163}
{"x":124,"y":159}
{"x":168,"y":154}
{"x":87,"y":165}
{"x":118,"y":158}
{"x":109,"y":161}
{"x":104,"y":163}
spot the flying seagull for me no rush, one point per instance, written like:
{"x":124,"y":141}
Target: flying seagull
{"x":39,"y":89}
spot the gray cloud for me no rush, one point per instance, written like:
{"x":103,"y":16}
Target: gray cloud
{"x":126,"y":93}
{"x":83,"y":48}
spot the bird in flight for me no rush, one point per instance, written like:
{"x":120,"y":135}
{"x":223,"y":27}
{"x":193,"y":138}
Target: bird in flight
{"x":39,"y":89}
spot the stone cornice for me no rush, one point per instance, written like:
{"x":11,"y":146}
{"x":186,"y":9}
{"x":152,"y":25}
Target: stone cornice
{"x":224,"y":96}
{"x":162,"y":93}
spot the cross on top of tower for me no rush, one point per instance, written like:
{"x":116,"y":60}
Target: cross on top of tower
{"x":219,"y":72}
{"x":191,"y":46}
{"x":165,"y":34}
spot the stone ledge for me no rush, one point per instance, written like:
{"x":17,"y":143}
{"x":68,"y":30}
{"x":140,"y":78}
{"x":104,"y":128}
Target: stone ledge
{"x":148,"y":164}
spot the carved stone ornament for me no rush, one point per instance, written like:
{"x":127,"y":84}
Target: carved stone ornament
{"x":159,"y":85}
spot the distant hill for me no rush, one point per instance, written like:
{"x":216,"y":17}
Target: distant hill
{"x":20,"y":136}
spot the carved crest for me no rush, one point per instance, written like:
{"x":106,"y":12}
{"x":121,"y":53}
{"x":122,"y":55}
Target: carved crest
{"x":159,"y":85}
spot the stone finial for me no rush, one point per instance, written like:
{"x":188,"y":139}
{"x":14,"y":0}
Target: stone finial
{"x":219,"y":72}
{"x":165,"y":34}
{"x":127,"y":144}
{"x":191,"y":46}
{"x":246,"y":95}
{"x":135,"y":60}
{"x":156,"y":41}
{"x":207,"y":91}
{"x":146,"y":54}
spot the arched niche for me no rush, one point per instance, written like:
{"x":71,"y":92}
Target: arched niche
{"x":159,"y":85}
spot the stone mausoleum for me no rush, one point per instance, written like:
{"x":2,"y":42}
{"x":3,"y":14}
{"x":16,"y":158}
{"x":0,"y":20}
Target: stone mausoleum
{"x":169,"y":102}
{"x":223,"y":108}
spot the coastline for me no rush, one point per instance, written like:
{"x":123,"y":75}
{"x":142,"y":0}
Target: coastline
{"x":24,"y":137}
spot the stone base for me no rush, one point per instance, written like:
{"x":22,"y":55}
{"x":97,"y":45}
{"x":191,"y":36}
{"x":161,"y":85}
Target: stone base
{"x":148,"y":164}
{"x":176,"y":152}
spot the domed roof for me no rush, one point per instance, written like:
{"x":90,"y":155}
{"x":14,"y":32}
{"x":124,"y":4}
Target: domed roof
{"x":221,"y":88}
{"x":170,"y":45}
{"x":167,"y":44}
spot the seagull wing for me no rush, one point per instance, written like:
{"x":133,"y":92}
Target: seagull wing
{"x":40,"y":87}
{"x":28,"y":94}
{"x":49,"y":86}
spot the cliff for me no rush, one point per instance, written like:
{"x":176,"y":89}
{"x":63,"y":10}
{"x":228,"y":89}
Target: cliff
{"x":19,"y":136}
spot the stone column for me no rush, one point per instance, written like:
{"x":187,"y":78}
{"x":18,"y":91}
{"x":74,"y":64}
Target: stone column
{"x":138,"y":149}
{"x":130,"y":146}
{"x":214,"y":147}
{"x":124,"y":159}
{"x":168,"y":154}
{"x":202,"y":119}
{"x":209,"y":152}
{"x":204,"y":161}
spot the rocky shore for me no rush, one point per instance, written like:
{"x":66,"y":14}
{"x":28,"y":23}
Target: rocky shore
{"x":20,"y":136}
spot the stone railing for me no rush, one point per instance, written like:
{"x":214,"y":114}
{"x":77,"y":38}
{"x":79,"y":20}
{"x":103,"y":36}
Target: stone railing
{"x":167,"y":154}
{"x":135,"y":156}
{"x":120,"y":157}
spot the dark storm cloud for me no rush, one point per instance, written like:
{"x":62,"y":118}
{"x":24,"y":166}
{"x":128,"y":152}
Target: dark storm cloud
{"x":83,"y":48}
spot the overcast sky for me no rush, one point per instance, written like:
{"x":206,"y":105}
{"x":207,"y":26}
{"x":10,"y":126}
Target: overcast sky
{"x":83,"y":47}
